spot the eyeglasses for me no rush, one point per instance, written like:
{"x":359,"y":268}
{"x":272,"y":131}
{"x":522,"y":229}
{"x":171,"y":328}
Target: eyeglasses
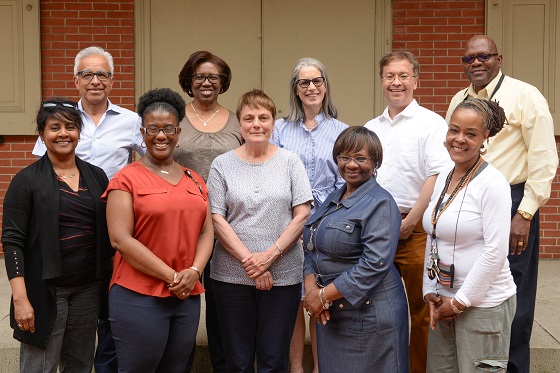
{"x":88,"y":75}
{"x":402,"y":78}
{"x":200,"y":78}
{"x":62,"y":103}
{"x":317,"y":82}
{"x":482,"y":57}
{"x":345,"y":159}
{"x":154,"y":131}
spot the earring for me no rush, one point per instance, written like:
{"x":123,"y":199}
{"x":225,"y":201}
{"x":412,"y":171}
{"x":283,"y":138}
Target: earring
{"x":177,"y":145}
{"x":483,"y":149}
{"x":444,"y":144}
{"x":143,"y":144}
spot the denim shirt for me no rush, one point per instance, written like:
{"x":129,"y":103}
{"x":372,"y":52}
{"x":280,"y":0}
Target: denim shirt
{"x":354,"y":242}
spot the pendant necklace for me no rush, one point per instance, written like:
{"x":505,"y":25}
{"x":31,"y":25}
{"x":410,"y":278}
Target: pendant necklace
{"x":64,"y":177}
{"x":204,"y":122}
{"x":160,"y":170}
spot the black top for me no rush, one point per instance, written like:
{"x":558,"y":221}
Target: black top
{"x":76,"y":235}
{"x":30,"y":238}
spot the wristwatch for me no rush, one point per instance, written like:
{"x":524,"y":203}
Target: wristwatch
{"x":525,"y":215}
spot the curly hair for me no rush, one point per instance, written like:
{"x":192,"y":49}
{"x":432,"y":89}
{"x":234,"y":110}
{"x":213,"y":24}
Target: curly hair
{"x":493,"y":115}
{"x":161,"y":99}
{"x":63,"y":113}
{"x":198,"y":58}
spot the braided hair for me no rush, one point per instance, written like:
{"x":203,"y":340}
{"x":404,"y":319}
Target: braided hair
{"x":493,"y":115}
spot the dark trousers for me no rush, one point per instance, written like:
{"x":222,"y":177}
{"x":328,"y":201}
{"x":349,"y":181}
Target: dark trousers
{"x":525,"y":269}
{"x":106,"y":354}
{"x":212,"y":329}
{"x":152,"y":334}
{"x":257,"y":322}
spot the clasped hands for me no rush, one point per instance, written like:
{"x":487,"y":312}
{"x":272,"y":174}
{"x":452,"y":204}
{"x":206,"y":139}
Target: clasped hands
{"x":256,"y":266}
{"x":183,"y":283}
{"x":440,"y":308}
{"x":312,"y":303}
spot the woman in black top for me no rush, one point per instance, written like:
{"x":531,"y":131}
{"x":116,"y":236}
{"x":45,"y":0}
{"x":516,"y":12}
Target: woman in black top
{"x":57,"y":249}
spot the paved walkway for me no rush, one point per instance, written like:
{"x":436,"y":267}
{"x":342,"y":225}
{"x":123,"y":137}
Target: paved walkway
{"x":545,"y":343}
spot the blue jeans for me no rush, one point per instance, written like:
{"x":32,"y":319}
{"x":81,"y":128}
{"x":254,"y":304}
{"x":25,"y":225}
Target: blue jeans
{"x":72,"y":342}
{"x":152,"y":334}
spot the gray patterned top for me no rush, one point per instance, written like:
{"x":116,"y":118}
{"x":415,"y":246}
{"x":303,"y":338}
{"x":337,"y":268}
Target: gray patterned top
{"x":256,"y":199}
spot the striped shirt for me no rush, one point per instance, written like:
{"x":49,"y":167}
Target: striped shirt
{"x":315,"y":151}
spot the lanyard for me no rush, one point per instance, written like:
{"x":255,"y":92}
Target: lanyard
{"x":493,"y":93}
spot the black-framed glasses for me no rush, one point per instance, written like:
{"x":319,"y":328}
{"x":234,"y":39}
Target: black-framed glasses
{"x":317,"y":82}
{"x":482,"y":57}
{"x":154,"y":131}
{"x":345,"y":159}
{"x":402,"y":78}
{"x":88,"y":75}
{"x":212,"y":78}
{"x":61,"y":103}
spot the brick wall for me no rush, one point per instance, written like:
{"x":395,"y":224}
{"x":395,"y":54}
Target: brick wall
{"x":434,"y":30}
{"x":67,"y":27}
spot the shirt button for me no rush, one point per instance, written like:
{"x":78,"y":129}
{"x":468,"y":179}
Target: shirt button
{"x":340,"y":305}
{"x":348,"y":227}
{"x":368,"y":302}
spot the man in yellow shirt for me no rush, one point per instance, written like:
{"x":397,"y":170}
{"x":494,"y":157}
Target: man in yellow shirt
{"x":525,"y":152}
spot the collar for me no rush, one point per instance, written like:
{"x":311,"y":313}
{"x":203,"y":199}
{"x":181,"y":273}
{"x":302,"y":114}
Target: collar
{"x":409,"y":111}
{"x":320,"y":118}
{"x":484,"y":92}
{"x":362,"y":190}
{"x":110,"y":107}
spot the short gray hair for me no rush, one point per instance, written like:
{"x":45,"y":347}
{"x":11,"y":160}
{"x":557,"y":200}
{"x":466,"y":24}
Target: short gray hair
{"x":93,"y":51}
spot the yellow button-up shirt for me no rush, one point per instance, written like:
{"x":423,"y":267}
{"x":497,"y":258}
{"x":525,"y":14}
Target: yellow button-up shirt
{"x":525,"y":150}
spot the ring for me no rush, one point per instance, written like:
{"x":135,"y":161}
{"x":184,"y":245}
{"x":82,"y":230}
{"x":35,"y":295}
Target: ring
{"x":20,"y":325}
{"x":184,"y":294}
{"x":520,"y":243}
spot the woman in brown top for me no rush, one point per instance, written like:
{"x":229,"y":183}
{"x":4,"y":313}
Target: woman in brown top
{"x":208,"y":130}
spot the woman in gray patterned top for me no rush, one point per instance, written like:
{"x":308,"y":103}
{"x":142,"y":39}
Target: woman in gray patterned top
{"x":260,"y":199}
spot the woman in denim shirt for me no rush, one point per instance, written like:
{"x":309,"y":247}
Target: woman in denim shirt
{"x":352,"y":287}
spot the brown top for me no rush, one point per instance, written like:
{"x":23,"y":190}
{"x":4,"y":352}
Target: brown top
{"x":198,"y":149}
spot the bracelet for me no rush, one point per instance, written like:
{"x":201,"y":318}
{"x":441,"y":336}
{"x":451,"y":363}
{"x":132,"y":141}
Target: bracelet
{"x":278,"y":247}
{"x":197,"y":271}
{"x":455,"y":309}
{"x":323,"y":298}
{"x":174,"y":278}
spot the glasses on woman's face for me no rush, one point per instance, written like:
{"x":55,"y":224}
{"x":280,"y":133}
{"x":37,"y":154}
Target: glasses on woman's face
{"x":154,"y":131}
{"x":200,"y":78}
{"x":317,"y":82}
{"x":61,"y":103}
{"x":345,"y":159}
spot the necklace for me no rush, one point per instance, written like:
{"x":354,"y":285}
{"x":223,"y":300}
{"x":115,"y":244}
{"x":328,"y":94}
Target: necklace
{"x":462,"y":182}
{"x":64,"y":177}
{"x":160,"y":170}
{"x":204,"y":122}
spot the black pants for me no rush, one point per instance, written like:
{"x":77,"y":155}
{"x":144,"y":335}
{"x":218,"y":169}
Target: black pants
{"x":525,"y":269}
